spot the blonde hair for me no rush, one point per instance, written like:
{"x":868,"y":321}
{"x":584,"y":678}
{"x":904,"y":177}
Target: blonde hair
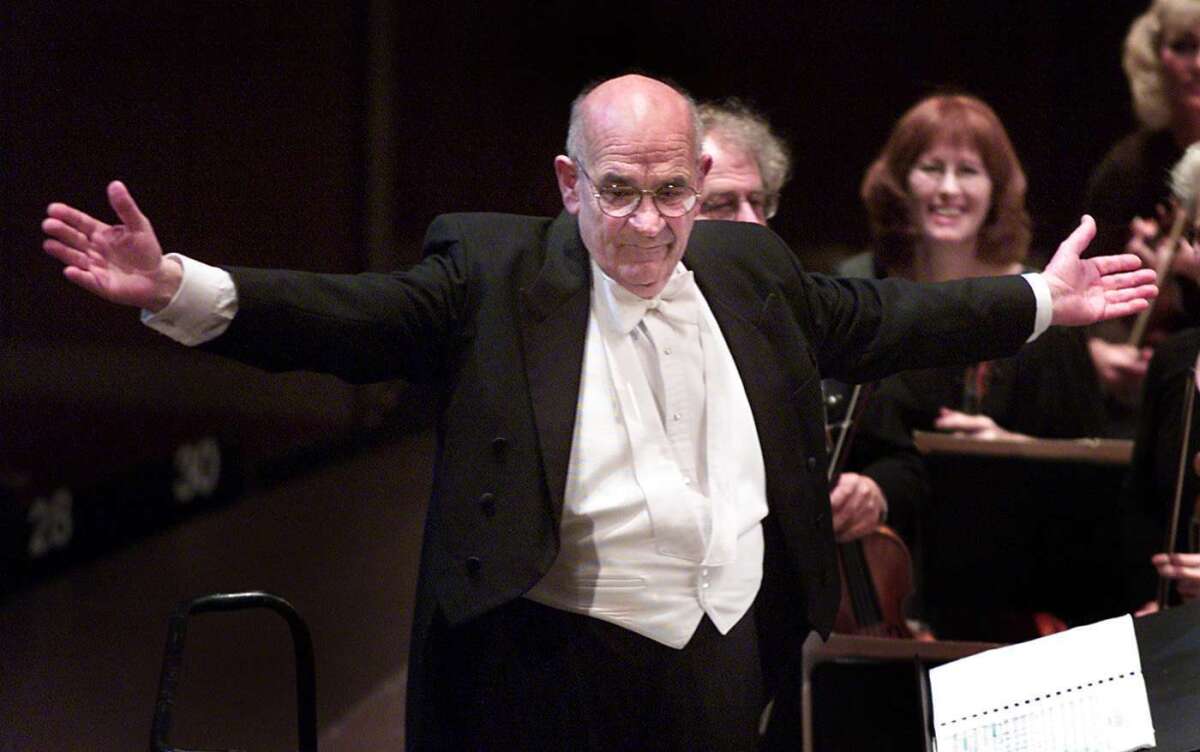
{"x":1141,"y":58}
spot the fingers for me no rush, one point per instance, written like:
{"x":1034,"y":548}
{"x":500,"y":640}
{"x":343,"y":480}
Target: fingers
{"x":1134,"y":368}
{"x":1120,"y":367}
{"x":858,"y":506}
{"x":79,"y":221}
{"x":1127,"y":357}
{"x":1078,"y":240}
{"x":840,"y":503}
{"x":1126,"y":303}
{"x":65,"y":234}
{"x":1143,"y":227}
{"x":1142,"y":251}
{"x":125,"y":207}
{"x":1117,"y":263}
{"x":1121,"y":310}
{"x":66,"y":254}
{"x":1141,"y":292}
{"x":1149,"y":607}
{"x":953,"y":420}
{"x":1182,"y":567}
{"x":85,"y":278}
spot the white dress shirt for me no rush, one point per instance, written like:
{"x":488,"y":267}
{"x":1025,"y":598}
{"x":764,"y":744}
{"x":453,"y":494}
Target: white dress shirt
{"x":666,"y":489}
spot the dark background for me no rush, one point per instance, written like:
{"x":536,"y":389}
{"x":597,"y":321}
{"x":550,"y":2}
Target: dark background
{"x":326,"y":136}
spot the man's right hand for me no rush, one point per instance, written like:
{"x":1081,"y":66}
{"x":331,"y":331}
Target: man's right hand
{"x":121,"y":263}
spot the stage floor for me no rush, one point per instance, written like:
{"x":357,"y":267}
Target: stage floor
{"x":82,"y":649}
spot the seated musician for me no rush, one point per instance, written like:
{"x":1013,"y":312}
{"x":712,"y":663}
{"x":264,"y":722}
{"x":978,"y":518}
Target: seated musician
{"x":1127,"y":191}
{"x":1158,"y":450}
{"x":751,"y":164}
{"x":946,"y":200}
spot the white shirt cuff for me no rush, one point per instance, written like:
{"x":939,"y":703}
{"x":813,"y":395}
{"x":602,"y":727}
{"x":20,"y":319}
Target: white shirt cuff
{"x":202,"y":307}
{"x":1045,"y":304}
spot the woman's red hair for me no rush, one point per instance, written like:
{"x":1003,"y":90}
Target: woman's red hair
{"x":959,"y":120}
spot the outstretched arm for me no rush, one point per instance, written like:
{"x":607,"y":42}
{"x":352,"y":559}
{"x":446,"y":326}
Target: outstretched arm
{"x":122,"y":263}
{"x":1085,"y":291}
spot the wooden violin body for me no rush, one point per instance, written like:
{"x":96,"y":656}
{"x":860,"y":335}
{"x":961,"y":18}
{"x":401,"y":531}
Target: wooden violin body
{"x":876,"y":570}
{"x":877,"y":582}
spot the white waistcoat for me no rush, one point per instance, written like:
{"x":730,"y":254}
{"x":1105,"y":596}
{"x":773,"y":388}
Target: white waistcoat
{"x":641,"y":545}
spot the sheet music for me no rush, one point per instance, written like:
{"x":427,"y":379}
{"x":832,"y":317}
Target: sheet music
{"x":1075,"y":691}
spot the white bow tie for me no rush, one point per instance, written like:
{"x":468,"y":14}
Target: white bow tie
{"x":679,"y":300}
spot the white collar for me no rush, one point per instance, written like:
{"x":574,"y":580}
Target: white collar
{"x":623,"y":309}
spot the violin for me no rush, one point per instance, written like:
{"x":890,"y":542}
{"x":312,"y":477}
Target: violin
{"x":876,"y":569}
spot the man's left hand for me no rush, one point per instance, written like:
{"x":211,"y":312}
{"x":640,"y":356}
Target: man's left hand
{"x":1085,"y":291}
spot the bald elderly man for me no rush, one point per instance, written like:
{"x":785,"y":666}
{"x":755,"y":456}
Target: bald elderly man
{"x":629,"y":532}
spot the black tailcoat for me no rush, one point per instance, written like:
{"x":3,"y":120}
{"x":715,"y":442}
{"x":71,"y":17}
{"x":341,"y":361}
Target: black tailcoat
{"x":496,"y":316}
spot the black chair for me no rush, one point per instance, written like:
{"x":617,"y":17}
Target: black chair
{"x":306,"y":685}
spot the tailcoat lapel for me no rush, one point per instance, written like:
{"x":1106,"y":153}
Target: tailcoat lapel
{"x":782,"y":385}
{"x":745,"y":323}
{"x":553,"y":319}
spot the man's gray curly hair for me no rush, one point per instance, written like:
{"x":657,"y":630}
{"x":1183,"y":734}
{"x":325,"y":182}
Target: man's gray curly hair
{"x":735,"y":123}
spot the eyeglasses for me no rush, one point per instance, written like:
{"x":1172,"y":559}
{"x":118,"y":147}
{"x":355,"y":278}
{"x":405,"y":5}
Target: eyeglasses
{"x":615,"y":200}
{"x":726,"y":205}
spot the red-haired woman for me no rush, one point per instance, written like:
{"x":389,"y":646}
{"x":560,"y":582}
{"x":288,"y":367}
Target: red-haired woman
{"x":946,"y":200}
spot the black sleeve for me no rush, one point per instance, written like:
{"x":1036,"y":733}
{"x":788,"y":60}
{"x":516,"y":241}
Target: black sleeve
{"x":863,"y":330}
{"x":360,"y":327}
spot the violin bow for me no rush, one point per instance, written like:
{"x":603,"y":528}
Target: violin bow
{"x":1189,"y":401}
{"x":1185,"y":187}
{"x":849,"y":425}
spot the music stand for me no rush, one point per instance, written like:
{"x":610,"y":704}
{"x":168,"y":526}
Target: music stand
{"x":1017,"y":527}
{"x":852,"y":650}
